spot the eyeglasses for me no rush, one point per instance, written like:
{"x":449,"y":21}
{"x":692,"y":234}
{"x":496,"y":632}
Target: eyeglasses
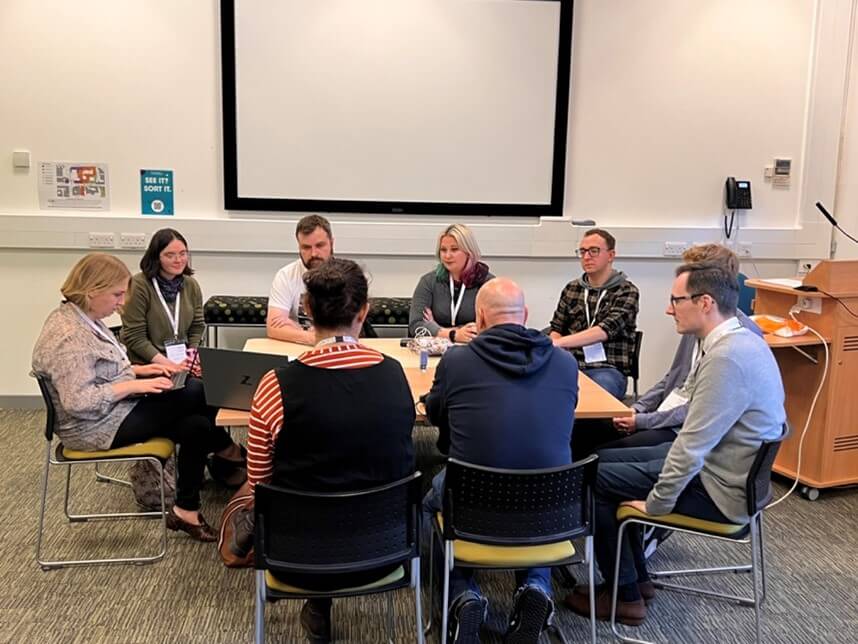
{"x":172,"y":257}
{"x":593,"y":251}
{"x":679,"y":298}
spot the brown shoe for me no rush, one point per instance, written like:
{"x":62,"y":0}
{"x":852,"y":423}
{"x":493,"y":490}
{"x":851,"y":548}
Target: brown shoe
{"x":202,"y":532}
{"x":629,"y":613}
{"x":316,"y":620}
{"x":645,"y":588}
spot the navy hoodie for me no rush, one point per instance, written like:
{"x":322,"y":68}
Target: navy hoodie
{"x":506,"y":399}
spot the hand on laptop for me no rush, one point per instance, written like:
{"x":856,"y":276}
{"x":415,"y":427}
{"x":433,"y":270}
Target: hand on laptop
{"x":154,"y":369}
{"x":152,"y":385}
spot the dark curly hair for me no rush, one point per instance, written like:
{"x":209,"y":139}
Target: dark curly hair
{"x":336,"y":292}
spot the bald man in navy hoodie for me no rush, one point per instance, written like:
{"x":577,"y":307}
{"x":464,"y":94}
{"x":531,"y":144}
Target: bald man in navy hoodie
{"x":507,"y":399}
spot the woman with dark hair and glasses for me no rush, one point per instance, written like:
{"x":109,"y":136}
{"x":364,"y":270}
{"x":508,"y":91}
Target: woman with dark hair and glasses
{"x":339,"y":418}
{"x":162,"y":323}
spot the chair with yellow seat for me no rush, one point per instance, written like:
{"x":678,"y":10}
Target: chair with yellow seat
{"x":318,"y":534}
{"x":503,"y":519}
{"x":759,"y":495}
{"x":156,"y":451}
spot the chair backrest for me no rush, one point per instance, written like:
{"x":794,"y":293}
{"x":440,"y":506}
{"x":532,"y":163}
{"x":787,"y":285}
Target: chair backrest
{"x":337,"y":532}
{"x":50,"y":411}
{"x":758,"y":487}
{"x":635,"y":366}
{"x":518,"y":507}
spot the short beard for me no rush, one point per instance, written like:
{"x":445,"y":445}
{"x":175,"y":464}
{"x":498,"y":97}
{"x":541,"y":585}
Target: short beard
{"x":314,"y":262}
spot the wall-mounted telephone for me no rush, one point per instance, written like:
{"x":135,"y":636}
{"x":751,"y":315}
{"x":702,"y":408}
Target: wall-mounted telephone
{"x":738,"y":194}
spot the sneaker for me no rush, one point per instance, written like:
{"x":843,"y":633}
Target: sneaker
{"x":466,"y":617}
{"x":652,"y":538}
{"x":316,"y":620}
{"x":531,"y":613}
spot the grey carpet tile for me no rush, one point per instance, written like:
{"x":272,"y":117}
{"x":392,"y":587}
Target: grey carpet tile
{"x":812,"y":556}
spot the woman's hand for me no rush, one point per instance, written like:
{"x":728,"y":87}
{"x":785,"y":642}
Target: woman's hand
{"x":152,"y":385}
{"x":150,"y":370}
{"x":427,"y":315}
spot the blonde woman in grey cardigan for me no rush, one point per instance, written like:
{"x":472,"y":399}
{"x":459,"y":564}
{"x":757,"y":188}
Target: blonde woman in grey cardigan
{"x":104,"y":402}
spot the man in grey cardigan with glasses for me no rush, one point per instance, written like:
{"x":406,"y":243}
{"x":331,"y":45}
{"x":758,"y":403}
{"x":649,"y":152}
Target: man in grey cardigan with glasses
{"x":736,"y":401}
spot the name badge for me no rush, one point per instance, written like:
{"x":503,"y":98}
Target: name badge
{"x":674,"y":399}
{"x":176,"y":350}
{"x":595,"y":353}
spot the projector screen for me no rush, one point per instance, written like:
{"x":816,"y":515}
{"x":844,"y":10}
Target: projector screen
{"x":414,"y":106}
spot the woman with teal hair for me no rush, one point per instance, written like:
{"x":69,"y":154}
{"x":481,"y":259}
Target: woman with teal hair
{"x":443,"y":302}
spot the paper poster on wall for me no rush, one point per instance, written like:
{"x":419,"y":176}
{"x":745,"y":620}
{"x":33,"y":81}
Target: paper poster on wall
{"x":156,"y":192}
{"x":73,"y":185}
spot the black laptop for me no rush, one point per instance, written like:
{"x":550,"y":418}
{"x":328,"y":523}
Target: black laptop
{"x":230,"y":377}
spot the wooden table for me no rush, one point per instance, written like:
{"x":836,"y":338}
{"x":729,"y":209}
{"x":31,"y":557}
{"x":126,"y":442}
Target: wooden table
{"x":593,"y":401}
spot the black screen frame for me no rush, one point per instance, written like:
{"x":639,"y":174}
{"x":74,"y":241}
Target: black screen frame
{"x":232,"y":201}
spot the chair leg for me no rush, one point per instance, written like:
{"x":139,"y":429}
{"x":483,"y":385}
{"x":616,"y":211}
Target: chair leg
{"x":445,"y":595}
{"x":66,"y":498}
{"x":615,"y":588}
{"x":259,"y":612}
{"x":591,"y":579}
{"x":431,"y":614}
{"x":104,"y":478}
{"x":755,"y":563}
{"x":762,"y":540}
{"x":418,"y":604}
{"x":42,"y":510}
{"x":391,"y":620}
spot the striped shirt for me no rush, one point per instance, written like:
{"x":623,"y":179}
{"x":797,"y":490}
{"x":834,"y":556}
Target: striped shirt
{"x":266,"y":412}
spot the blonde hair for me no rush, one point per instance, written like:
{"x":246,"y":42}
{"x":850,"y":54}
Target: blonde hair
{"x":94,"y":273}
{"x":465,"y":240}
{"x":716,"y":253}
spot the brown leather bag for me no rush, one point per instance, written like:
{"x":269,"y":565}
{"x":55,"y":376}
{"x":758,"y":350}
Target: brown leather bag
{"x":235,"y":543}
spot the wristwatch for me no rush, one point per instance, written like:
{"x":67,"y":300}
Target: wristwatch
{"x":452,"y":335}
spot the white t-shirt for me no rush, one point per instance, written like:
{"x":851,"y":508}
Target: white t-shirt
{"x":287,"y":288}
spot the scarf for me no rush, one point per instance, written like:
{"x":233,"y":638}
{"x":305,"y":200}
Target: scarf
{"x":170,"y":288}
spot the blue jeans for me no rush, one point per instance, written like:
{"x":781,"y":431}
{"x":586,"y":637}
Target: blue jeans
{"x":628,"y":474}
{"x":610,"y":379}
{"x":462,"y":579}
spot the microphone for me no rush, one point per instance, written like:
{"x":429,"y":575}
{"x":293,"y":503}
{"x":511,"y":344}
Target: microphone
{"x":833,"y":221}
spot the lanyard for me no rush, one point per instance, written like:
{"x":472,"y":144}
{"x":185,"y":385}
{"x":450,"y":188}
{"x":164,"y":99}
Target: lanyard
{"x":336,"y":340}
{"x":172,"y":316}
{"x":454,"y":305}
{"x":587,"y":306}
{"x":99,"y":331}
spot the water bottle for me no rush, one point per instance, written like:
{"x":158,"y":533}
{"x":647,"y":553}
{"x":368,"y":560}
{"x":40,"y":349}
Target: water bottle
{"x":424,"y":359}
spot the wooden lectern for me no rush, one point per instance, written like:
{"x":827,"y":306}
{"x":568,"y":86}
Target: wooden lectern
{"x":830,"y":452}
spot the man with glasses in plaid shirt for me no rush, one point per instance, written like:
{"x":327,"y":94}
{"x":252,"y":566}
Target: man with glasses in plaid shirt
{"x":597,"y":313}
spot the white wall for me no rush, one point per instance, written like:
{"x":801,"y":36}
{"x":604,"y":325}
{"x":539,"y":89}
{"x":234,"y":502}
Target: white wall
{"x":137,"y":85}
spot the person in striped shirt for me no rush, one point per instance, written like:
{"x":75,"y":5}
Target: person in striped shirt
{"x":338,"y":418}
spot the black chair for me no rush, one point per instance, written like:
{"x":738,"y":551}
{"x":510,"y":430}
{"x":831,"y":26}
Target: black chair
{"x":506,"y":519}
{"x":156,"y":451}
{"x":324,"y":534}
{"x":635,"y":367}
{"x":759,"y":495}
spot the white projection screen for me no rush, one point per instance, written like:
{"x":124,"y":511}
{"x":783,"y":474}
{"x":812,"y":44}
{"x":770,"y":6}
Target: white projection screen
{"x":396,"y":106}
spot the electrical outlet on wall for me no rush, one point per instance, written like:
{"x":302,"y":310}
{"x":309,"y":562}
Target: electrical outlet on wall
{"x":744,"y":249}
{"x":675,"y":249}
{"x":806,"y":265}
{"x":132,"y":240}
{"x":102,"y":240}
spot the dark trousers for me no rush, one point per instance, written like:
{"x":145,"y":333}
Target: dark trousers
{"x":183,"y":417}
{"x":628,"y":475}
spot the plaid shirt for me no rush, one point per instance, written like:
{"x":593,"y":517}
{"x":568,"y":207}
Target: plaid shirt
{"x":617,"y":317}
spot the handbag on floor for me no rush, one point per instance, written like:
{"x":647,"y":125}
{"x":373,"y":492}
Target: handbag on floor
{"x":235,"y":543}
{"x":146,"y":484}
